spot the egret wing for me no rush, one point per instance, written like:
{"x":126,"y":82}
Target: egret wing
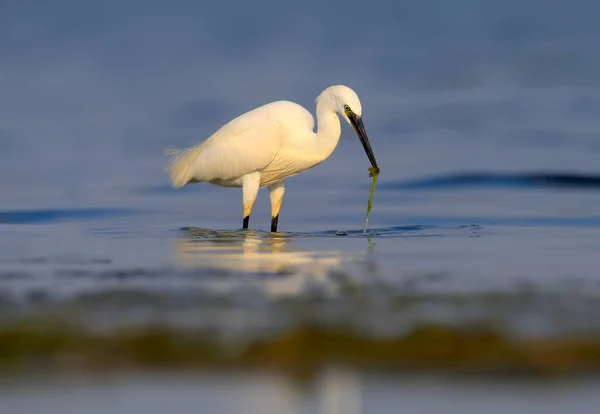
{"x":235,"y":153}
{"x":244,"y":145}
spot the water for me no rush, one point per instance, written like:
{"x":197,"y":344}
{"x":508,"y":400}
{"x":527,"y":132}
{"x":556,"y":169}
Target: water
{"x":483,"y":118}
{"x":334,"y":391}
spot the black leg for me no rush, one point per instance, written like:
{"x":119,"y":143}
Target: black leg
{"x":274,"y":221}
{"x":246,"y":221}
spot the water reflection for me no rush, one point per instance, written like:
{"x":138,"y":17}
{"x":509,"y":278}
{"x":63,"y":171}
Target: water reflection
{"x":262,"y":253}
{"x":334,"y":391}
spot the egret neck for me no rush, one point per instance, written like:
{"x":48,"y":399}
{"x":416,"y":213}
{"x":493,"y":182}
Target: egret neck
{"x":329,"y":128}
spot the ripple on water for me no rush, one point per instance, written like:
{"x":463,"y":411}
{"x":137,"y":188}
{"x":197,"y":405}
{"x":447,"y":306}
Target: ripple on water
{"x":549,"y":179}
{"x":56,"y":215}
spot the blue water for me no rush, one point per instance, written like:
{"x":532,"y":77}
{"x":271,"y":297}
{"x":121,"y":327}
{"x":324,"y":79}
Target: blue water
{"x":483,"y":116}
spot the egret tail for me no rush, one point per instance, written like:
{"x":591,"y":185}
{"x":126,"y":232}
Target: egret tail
{"x":180,"y":162}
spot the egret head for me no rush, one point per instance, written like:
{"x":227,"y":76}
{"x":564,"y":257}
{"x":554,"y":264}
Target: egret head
{"x":348,"y":105}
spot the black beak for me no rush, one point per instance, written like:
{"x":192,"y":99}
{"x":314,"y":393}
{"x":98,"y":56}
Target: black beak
{"x":359,"y":128}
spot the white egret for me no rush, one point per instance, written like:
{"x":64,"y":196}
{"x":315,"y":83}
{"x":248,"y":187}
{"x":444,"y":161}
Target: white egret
{"x":266,"y":145}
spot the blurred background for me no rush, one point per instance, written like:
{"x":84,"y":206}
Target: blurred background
{"x":475,"y":290}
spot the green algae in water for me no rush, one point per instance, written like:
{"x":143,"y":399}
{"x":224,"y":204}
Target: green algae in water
{"x":373,"y":172}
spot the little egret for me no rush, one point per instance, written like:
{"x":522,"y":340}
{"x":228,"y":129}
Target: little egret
{"x":266,"y":145}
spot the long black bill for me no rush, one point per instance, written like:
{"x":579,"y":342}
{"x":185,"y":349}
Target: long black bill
{"x":359,"y":128}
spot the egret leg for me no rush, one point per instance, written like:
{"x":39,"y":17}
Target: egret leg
{"x":250,"y":186}
{"x":276,"y":192}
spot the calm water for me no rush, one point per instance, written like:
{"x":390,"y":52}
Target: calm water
{"x":336,"y":390}
{"x":483,"y":117}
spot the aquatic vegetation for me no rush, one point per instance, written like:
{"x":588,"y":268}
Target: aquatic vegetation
{"x":300,"y":351}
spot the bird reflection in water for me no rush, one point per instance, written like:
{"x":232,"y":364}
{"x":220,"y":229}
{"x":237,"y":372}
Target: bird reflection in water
{"x":256,"y":252}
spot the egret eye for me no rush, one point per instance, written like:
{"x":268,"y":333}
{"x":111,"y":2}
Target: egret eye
{"x":347,"y":109}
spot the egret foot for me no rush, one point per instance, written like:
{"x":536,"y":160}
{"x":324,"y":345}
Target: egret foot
{"x":246,"y":222}
{"x":274,"y":221}
{"x":276,"y":192}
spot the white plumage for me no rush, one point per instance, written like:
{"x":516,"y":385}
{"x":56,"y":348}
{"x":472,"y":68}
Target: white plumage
{"x":268,"y":144}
